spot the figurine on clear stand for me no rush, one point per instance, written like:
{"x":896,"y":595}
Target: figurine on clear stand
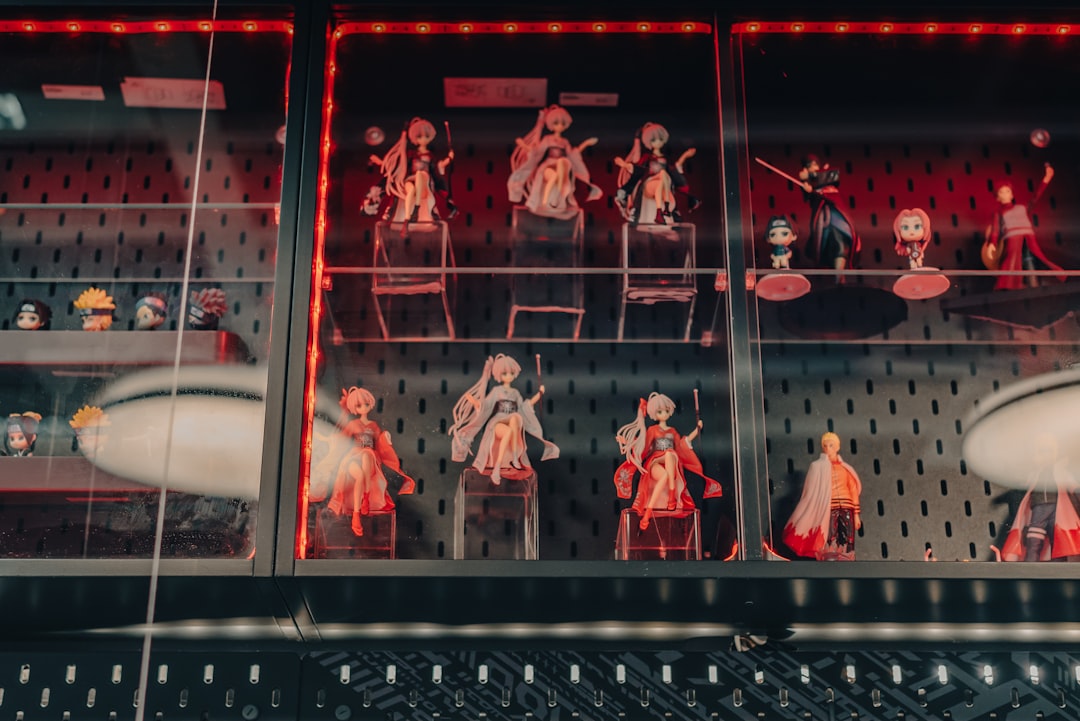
{"x":360,"y":487}
{"x":1010,"y":240}
{"x":414,"y":179}
{"x":32,"y":314}
{"x":1046,"y":525}
{"x":825,"y":520}
{"x":780,"y":235}
{"x":505,"y":417}
{"x":662,"y":457}
{"x":95,"y":308}
{"x":90,"y":424}
{"x":150,"y":311}
{"x":911,"y":227}
{"x":648,"y":180}
{"x":21,"y":434}
{"x":544,"y":169}
{"x":833,"y":241}
{"x":205,"y":308}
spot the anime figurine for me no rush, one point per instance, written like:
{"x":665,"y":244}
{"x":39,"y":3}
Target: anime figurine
{"x":780,"y":234}
{"x":150,"y":311}
{"x":912,"y":231}
{"x":1010,"y":240}
{"x":21,"y":434}
{"x":826,"y":518}
{"x":414,"y":179}
{"x":833,"y":242}
{"x":205,"y":308}
{"x":544,"y":169}
{"x":32,"y":315}
{"x":662,"y":457}
{"x":648,"y":181}
{"x":505,"y":417}
{"x":360,"y":487}
{"x":95,"y":308}
{"x":89,"y":424}
{"x":1046,"y":525}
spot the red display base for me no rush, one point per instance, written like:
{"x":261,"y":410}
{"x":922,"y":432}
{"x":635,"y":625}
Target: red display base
{"x":670,"y":536}
{"x":782,"y":286}
{"x":921,"y":284}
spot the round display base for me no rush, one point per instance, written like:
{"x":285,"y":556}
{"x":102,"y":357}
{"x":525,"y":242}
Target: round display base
{"x":920,"y":285}
{"x":782,"y":286}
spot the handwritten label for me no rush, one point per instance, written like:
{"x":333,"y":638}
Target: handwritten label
{"x":172,"y":93}
{"x":598,"y":100}
{"x":495,"y":92}
{"x":73,"y":92}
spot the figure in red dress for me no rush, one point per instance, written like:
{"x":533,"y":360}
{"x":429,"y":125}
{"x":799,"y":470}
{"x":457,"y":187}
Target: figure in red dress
{"x":825,"y":521}
{"x":1046,"y":525}
{"x":648,"y":180}
{"x":662,"y":457}
{"x":360,"y":487}
{"x":1010,"y":239}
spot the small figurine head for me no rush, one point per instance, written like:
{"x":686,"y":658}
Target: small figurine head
{"x":22,"y":431}
{"x":811,"y":163}
{"x":659,"y":407}
{"x":780,"y":231}
{"x":205,"y":308}
{"x":557,"y":118}
{"x":357,"y":401}
{"x":420,"y":131}
{"x":505,"y":369}
{"x":32,"y":315}
{"x":1003,"y":191}
{"x":830,"y":445}
{"x":654,"y":135}
{"x":912,"y":226}
{"x":150,"y":311}
{"x":95,"y":308}
{"x":89,"y":424}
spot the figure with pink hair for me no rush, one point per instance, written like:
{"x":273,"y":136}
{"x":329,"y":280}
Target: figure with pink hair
{"x":911,"y":227}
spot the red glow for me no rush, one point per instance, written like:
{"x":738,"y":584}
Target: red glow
{"x":117,"y":28}
{"x":423,"y":28}
{"x":466,"y":27}
{"x":975,"y":29}
{"x":1018,"y":29}
{"x":161,"y":27}
{"x":599,"y":27}
{"x":555,"y":27}
{"x":206,"y":26}
{"x":893,"y":28}
{"x":841,"y":27}
{"x":433,"y":28}
{"x":250,"y":26}
{"x":132,"y":28}
{"x":73,"y":27}
{"x":28,"y":27}
{"x":510,"y":28}
{"x":886,"y":27}
{"x":931,"y":28}
{"x":643,"y":27}
{"x":753,"y":27}
{"x":1063,"y":30}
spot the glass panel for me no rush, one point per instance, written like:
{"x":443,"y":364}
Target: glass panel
{"x":942,"y":367}
{"x":472,"y":211}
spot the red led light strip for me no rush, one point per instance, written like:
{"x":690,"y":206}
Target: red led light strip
{"x":511,"y":27}
{"x":147,"y":26}
{"x":922,"y":28}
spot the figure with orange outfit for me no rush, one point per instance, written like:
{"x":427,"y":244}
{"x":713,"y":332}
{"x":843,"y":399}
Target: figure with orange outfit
{"x":1046,"y":526}
{"x":825,"y":521}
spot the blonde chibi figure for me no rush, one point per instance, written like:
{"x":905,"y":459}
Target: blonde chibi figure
{"x":95,"y":309}
{"x":415,"y":180}
{"x":90,"y":424}
{"x":360,"y":486}
{"x":502,"y":417}
{"x":22,"y":429}
{"x":912,"y":231}
{"x":662,"y":457}
{"x":545,"y":168}
{"x":648,"y":179}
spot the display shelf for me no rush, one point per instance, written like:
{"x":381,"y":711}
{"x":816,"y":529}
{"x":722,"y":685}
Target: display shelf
{"x":59,"y":474}
{"x":67,"y":348}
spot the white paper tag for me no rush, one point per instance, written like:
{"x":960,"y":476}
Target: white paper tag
{"x":73,"y":92}
{"x":495,"y":92}
{"x":599,"y":100}
{"x":172,"y":93}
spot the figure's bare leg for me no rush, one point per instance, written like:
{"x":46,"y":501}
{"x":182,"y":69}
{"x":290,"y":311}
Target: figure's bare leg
{"x":663,"y":477}
{"x":362,"y":474}
{"x":422,"y":192}
{"x":840,"y":264}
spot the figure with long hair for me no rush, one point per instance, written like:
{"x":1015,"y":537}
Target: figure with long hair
{"x":502,"y":417}
{"x":545,"y":168}
{"x":648,"y":180}
{"x":360,"y":487}
{"x":911,"y":227}
{"x":662,"y":457}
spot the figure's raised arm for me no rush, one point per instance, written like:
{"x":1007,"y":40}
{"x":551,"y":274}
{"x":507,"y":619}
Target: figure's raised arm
{"x":587,"y":143}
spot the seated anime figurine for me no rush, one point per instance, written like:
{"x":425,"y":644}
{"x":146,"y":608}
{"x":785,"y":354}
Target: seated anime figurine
{"x":205,"y":308}
{"x":95,"y":309}
{"x":662,"y":457}
{"x":1046,"y":525}
{"x":502,"y":417}
{"x":150,"y":311}
{"x":648,"y":180}
{"x":22,"y":429}
{"x":415,"y":181}
{"x":825,"y":520}
{"x":1010,"y":240}
{"x":360,"y":486}
{"x":32,"y":315}
{"x":544,"y":169}
{"x":780,"y":235}
{"x":912,"y":231}
{"x":90,"y":424}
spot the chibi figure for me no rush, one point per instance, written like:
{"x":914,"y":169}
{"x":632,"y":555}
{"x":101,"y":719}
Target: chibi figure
{"x":505,"y":417}
{"x":833,"y":241}
{"x":1010,"y":239}
{"x":912,"y":231}
{"x":150,"y":311}
{"x":205,"y":308}
{"x":545,"y":168}
{"x":360,"y":487}
{"x":21,"y":435}
{"x":90,"y":424}
{"x":662,"y":457}
{"x":414,"y":179}
{"x":780,"y":234}
{"x":825,"y":521}
{"x":648,"y":181}
{"x":95,"y":308}
{"x":32,"y":315}
{"x":1046,"y":525}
